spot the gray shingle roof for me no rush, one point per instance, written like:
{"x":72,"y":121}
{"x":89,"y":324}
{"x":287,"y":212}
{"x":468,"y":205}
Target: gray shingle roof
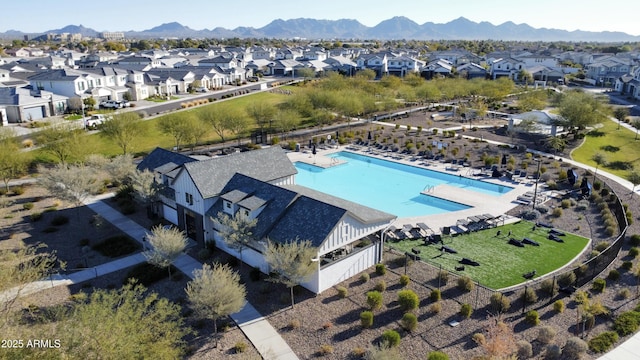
{"x":252,"y":202}
{"x":160,"y":157}
{"x":307,"y":219}
{"x":234,"y":196}
{"x":211,"y":176}
{"x":361,"y":212}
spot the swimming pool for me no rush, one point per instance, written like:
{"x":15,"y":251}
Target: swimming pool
{"x":388,"y":185}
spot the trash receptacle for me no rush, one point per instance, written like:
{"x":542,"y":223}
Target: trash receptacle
{"x":298,"y":147}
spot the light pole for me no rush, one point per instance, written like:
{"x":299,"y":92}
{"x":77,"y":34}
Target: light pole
{"x":535,"y":191}
{"x":84,"y":121}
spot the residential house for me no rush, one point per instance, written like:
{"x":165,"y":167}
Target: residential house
{"x":472,"y":71}
{"x":437,"y":68}
{"x":376,"y":62}
{"x":403,"y":65}
{"x":629,"y":84}
{"x":605,"y":71}
{"x":507,"y":67}
{"x":22,"y":105}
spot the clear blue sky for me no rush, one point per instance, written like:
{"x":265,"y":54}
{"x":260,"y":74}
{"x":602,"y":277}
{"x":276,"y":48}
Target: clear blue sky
{"x":124,"y":15}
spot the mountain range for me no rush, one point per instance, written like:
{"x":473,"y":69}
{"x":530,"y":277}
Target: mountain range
{"x":396,"y":28}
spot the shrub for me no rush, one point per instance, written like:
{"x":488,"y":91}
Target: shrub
{"x":366,"y":319}
{"x":549,"y":287}
{"x":500,"y":302}
{"x":240,"y":347}
{"x":599,"y":285}
{"x":465,"y":284}
{"x":391,"y":338}
{"x":575,"y":348}
{"x":203,"y":254}
{"x":601,"y":246}
{"x":603,"y":341}
{"x":466,"y":310}
{"x":635,"y":240}
{"x":374,"y":300}
{"x":552,"y":352}
{"x":546,"y":334}
{"x":364,"y":277}
{"x":624,"y":293}
{"x":408,"y":300}
{"x":633,"y":252}
{"x":565,"y":204}
{"x":479,"y":338}
{"x":558,"y":306}
{"x":435,"y":295}
{"x":359,"y":352}
{"x":18,"y":190}
{"x":59,"y":220}
{"x":532,"y":317}
{"x":566,"y":279}
{"x":557,"y":212}
{"x":325,"y":349}
{"x":342,"y":292}
{"x":613,"y":275}
{"x":525,"y":350}
{"x":381,"y":286}
{"x":404,"y":280}
{"x":27,"y":206}
{"x":381,"y":269}
{"x":529,"y":295}
{"x":443,"y":276}
{"x":36,"y":216}
{"x":435,"y":308}
{"x":627,"y":323}
{"x":409,"y":322}
{"x":627,"y":265}
{"x":437,"y":355}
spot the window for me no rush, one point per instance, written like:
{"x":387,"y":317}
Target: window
{"x":227,"y":204}
{"x":188,"y":198}
{"x":246,"y":213}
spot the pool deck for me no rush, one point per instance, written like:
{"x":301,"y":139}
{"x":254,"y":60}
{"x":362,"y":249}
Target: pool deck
{"x":481,"y":203}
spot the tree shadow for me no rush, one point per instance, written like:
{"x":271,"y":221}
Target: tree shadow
{"x":347,"y":334}
{"x":349,"y":317}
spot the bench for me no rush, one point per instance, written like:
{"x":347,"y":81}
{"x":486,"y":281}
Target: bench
{"x":529,"y":275}
{"x":530,"y":242}
{"x":448,"y":250}
{"x":555,"y":238}
{"x":459,"y":268}
{"x":515,"y":242}
{"x":466,"y":261}
{"x":556,"y":232}
{"x":415,"y":251}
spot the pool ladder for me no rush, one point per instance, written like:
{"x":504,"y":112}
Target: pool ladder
{"x":429,"y":189}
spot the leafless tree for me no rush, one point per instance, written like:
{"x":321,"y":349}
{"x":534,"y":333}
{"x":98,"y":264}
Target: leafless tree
{"x":166,"y":244}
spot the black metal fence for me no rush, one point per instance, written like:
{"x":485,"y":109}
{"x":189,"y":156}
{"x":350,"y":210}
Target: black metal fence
{"x":530,"y":295}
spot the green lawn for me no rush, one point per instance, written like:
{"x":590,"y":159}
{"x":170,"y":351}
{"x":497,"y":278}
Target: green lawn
{"x":618,"y":146}
{"x":501,"y":264}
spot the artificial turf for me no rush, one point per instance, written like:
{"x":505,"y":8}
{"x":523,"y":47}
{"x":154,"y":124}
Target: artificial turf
{"x":501,"y":264}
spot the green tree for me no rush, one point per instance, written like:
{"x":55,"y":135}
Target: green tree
{"x":600,"y":160}
{"x":13,"y":162}
{"x":124,"y":323}
{"x":532,"y":100}
{"x":238,"y":123}
{"x":621,"y":114}
{"x":636,"y":125}
{"x":294,"y":262}
{"x":556,"y":143}
{"x":287,"y":120}
{"x":634,"y":178}
{"x":218,"y":118}
{"x":166,"y":245}
{"x":178,"y":126}
{"x":123,"y":128}
{"x":120,"y":169}
{"x":261,"y":112}
{"x":215,"y":292}
{"x":306,"y":73}
{"x":579,"y":110}
{"x":62,"y":141}
{"x":236,"y":231}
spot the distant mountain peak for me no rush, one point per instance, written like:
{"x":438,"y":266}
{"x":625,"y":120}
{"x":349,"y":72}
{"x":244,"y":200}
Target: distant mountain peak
{"x":397,"y":27}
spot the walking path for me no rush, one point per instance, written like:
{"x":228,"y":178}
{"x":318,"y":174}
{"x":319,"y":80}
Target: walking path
{"x":257,"y":329}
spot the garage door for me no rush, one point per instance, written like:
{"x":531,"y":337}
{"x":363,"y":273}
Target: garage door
{"x":170,"y":214}
{"x":33,"y":113}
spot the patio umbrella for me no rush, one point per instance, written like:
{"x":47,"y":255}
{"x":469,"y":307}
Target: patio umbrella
{"x":504,"y":159}
{"x":313,"y":149}
{"x":309,"y":142}
{"x":369,"y":137}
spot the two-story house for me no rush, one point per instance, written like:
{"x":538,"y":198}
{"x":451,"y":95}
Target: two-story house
{"x":261,"y":185}
{"x":506,"y":67}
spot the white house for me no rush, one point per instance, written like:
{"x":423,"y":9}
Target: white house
{"x":261,"y":185}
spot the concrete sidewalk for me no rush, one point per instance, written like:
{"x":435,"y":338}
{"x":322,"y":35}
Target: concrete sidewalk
{"x":258,"y":330}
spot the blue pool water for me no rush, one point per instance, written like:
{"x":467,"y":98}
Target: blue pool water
{"x":387,"y":185}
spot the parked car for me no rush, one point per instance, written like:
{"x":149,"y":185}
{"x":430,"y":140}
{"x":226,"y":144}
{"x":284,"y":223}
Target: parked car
{"x":94,"y":121}
{"x":111,"y":104}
